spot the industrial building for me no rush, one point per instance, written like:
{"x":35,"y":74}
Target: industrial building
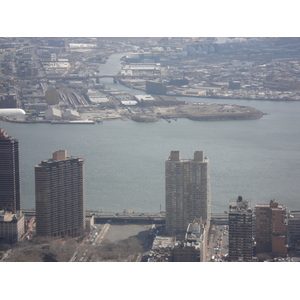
{"x":60,"y":196}
{"x":240,"y":231}
{"x":52,"y":96}
{"x":156,"y":88}
{"x":71,"y":114}
{"x":53,"y":114}
{"x":10,"y":198}
{"x":271,"y":228}
{"x":187,"y":191}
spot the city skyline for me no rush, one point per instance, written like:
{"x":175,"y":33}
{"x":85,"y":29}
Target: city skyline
{"x":225,"y":20}
{"x":238,"y":148}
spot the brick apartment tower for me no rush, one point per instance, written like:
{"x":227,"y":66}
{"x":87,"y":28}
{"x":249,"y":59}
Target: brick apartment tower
{"x":60,"y":196}
{"x":10,"y":198}
{"x":271,"y":228}
{"x":187,"y":191}
{"x":240,"y":231}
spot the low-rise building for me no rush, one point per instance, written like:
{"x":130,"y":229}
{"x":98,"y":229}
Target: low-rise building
{"x":12,"y":226}
{"x":71,"y":114}
{"x":161,"y":249}
{"x":193,"y":249}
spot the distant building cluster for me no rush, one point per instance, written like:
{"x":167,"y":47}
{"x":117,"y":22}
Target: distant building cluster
{"x":259,"y":234}
{"x":8,"y":94}
{"x":65,"y":72}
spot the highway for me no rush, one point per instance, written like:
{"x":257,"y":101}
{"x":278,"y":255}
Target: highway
{"x":156,"y":217}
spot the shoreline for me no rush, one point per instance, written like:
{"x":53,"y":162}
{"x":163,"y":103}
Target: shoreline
{"x":126,"y":84}
{"x":211,"y":112}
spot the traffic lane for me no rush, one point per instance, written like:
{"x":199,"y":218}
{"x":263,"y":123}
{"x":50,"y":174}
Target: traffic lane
{"x":220,"y":243}
{"x":83,"y":250}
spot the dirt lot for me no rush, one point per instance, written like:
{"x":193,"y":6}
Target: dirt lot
{"x":210,"y":112}
{"x":214,"y":112}
{"x":123,"y":243}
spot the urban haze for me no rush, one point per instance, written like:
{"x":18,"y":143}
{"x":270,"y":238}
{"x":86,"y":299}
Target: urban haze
{"x":169,"y":149}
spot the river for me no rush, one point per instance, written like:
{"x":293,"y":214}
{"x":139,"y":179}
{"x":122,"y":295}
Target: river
{"x":257,"y":159}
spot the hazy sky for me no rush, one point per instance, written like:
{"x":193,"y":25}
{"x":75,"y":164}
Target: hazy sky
{"x":155,"y":18}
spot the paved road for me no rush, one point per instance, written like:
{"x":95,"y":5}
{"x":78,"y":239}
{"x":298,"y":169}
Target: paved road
{"x":219,"y":243}
{"x":82,"y":251}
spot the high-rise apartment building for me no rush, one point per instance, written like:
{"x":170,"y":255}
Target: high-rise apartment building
{"x":187,"y":191}
{"x":240,"y":231}
{"x":294,"y":229}
{"x":10,"y":198}
{"x":271,"y":228}
{"x":60,"y":196}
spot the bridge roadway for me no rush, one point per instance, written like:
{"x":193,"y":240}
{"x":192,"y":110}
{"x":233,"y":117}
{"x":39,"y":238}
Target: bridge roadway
{"x":146,"y":218}
{"x":115,"y":77}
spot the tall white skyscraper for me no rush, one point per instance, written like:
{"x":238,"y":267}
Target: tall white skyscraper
{"x":187,"y":191}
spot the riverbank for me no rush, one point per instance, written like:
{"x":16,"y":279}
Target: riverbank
{"x":192,"y":111}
